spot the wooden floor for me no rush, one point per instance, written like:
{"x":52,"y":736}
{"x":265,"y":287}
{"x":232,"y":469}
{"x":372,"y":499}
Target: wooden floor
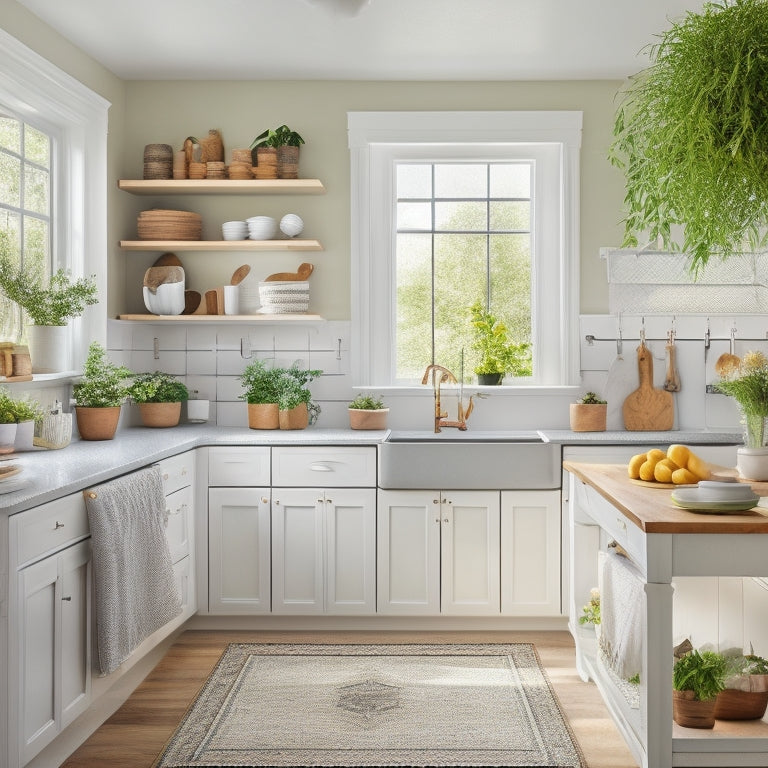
{"x":135,"y":734}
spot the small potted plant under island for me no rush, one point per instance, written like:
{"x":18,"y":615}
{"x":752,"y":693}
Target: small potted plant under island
{"x":588,"y":414}
{"x":368,"y":412}
{"x":697,"y":679}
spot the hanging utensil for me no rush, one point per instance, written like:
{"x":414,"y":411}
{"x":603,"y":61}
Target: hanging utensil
{"x":728,"y":363}
{"x":672,"y":379}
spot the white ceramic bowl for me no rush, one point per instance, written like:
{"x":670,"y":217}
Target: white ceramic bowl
{"x":713,"y":490}
{"x":291,"y":225}
{"x":169,"y":299}
{"x":261,"y":227}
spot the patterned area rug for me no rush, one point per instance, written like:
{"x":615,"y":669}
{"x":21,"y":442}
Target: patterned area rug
{"x":363,"y":705}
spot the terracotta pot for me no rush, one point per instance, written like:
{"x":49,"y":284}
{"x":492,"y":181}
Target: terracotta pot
{"x":295,"y":418}
{"x":160,"y":414}
{"x":287,"y":162}
{"x":368,"y":419}
{"x":97,"y":423}
{"x":588,"y":417}
{"x":263,"y":416}
{"x":691,"y":713}
{"x":740,"y":705}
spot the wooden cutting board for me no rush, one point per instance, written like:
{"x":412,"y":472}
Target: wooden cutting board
{"x":648,"y":409}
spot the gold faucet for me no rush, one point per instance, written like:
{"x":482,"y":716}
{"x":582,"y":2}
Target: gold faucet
{"x":441,"y":375}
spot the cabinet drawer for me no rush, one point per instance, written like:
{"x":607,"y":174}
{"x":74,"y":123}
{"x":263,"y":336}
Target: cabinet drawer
{"x":238,"y":466}
{"x":49,"y":527}
{"x":177,"y":471}
{"x":178,"y":507}
{"x":324,"y":467}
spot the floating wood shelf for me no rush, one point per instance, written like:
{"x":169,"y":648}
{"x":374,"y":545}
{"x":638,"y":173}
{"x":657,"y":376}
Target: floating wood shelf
{"x":221,"y":245}
{"x":222,"y":186}
{"x":198,"y":318}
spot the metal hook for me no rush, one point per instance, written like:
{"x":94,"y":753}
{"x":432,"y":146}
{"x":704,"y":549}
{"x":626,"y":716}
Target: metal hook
{"x":642,"y":333}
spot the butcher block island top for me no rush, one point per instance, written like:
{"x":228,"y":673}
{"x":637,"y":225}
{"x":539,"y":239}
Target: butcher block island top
{"x":652,"y":509}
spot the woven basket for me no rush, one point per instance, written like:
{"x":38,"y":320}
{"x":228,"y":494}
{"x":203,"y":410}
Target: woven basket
{"x":284,"y":297}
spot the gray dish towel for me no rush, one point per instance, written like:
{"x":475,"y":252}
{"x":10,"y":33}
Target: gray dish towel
{"x":135,"y":589}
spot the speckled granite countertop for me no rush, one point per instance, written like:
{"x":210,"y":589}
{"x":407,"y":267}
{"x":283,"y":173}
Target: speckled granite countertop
{"x":47,"y":475}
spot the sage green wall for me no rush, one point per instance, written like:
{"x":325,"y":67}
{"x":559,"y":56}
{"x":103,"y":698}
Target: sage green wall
{"x":168,"y":112}
{"x":27,"y":28}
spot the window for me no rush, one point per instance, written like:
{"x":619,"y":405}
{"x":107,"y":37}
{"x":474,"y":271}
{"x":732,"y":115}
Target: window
{"x":25,"y":205}
{"x":53,"y":145}
{"x":451,"y":208}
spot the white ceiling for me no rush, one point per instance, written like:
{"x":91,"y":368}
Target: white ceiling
{"x":364,"y":39}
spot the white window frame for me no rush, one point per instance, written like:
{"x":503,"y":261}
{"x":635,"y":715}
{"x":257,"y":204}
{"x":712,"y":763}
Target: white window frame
{"x":43,"y":95}
{"x":377,"y":139}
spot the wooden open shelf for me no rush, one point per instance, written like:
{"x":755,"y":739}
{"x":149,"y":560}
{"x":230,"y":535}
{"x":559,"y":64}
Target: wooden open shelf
{"x":221,"y":245}
{"x":222,"y":186}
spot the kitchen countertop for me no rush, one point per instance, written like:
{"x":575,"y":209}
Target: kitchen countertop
{"x":47,"y":475}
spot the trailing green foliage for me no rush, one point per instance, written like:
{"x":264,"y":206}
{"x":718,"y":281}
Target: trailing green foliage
{"x":691,"y":135}
{"x":51,"y":304}
{"x":157,"y":387}
{"x":103,"y":384}
{"x":702,"y":672}
{"x":367,"y":403}
{"x":497,"y":353}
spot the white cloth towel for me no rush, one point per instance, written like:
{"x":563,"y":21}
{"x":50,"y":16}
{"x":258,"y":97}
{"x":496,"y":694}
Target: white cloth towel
{"x":621,"y":615}
{"x":135,"y":589}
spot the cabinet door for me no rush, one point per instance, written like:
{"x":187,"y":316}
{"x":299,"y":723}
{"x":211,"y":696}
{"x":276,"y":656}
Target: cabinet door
{"x":350,"y":534}
{"x":75,"y":674}
{"x":408,"y":552}
{"x":469,"y":548}
{"x":238,"y":544}
{"x":530,"y":553}
{"x":297,"y":551}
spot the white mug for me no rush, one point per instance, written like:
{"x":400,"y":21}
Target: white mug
{"x":231,"y":299}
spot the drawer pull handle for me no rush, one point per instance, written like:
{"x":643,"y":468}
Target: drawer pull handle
{"x":264,"y":500}
{"x":68,"y":599}
{"x":58,"y":525}
{"x":318,"y":467}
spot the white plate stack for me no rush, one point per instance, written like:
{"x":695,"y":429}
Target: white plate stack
{"x":280,"y":297}
{"x":261,"y":227}
{"x":234,"y":230}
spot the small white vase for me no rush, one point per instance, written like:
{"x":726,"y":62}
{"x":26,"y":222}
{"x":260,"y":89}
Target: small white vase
{"x":49,"y":348}
{"x":7,"y":437}
{"x":752,"y":463}
{"x":25,"y":432}
{"x":197,"y":411}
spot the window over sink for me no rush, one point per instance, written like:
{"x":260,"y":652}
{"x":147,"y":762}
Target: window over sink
{"x":449,"y":208}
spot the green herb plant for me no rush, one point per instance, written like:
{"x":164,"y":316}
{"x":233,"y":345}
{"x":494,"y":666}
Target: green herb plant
{"x":261,"y":382}
{"x":51,"y":304}
{"x":279,"y":137}
{"x":293,"y":390}
{"x":691,"y":135}
{"x":367,"y":403}
{"x":748,"y":386}
{"x":702,"y":672}
{"x":590,"y":398}
{"x":103,"y":384}
{"x":497,"y":353}
{"x":157,"y":387}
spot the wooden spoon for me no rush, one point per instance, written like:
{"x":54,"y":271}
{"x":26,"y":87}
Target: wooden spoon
{"x":672,"y":380}
{"x":240,"y":274}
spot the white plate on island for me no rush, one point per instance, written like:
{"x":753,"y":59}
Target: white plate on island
{"x":688,"y":498}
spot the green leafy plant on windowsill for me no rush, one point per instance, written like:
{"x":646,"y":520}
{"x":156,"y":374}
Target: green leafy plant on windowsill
{"x":367,"y":403}
{"x":691,"y":135}
{"x":498,"y":354}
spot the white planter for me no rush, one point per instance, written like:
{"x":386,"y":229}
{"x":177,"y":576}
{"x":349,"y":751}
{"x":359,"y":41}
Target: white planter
{"x":7,"y":438}
{"x":49,"y":348}
{"x":197,"y":411}
{"x":752,"y":463}
{"x":25,"y":432}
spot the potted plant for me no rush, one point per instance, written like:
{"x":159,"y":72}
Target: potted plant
{"x":262,"y":391}
{"x":7,"y":422}
{"x":697,"y":678}
{"x":48,"y":304}
{"x":745,"y":695}
{"x":99,"y":395}
{"x":690,"y":135}
{"x":288,"y":143}
{"x":588,"y":413}
{"x":296,"y":408}
{"x":368,"y":412}
{"x":498,"y":355}
{"x":26,"y":412}
{"x":747,"y":384}
{"x":159,"y":396}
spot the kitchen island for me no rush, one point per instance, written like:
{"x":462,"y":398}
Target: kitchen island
{"x":665,"y":543}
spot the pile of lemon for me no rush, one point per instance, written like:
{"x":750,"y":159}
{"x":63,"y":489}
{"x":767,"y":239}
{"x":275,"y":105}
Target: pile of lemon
{"x":679,"y":465}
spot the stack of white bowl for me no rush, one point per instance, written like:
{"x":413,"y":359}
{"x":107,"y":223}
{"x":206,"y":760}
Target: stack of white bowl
{"x":234,"y":230}
{"x":261,"y":227}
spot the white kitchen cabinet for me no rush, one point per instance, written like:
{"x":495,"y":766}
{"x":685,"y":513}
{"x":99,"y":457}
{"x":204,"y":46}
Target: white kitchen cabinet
{"x":238,"y":550}
{"x":323,"y":550}
{"x":438,"y":552}
{"x":530,"y":553}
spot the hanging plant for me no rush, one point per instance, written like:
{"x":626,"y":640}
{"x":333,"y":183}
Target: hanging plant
{"x":691,"y":135}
